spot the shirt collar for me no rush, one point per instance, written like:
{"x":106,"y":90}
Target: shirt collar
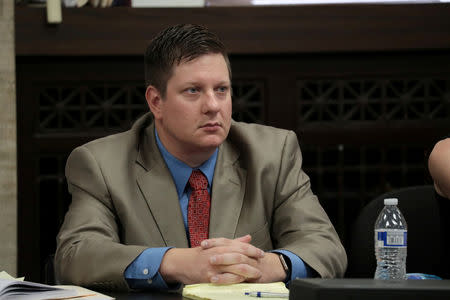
{"x":181,"y":171}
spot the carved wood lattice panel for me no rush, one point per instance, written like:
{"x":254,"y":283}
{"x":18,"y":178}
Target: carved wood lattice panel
{"x":373,"y":99}
{"x":84,"y":107}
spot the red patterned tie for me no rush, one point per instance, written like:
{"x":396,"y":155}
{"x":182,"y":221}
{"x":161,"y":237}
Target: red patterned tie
{"x":198,"y":208}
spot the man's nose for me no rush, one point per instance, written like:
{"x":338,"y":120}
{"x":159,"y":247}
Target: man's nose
{"x":211,"y":102}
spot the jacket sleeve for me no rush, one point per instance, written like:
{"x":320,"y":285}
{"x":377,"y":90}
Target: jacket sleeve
{"x":300,"y":224}
{"x":89,"y":252}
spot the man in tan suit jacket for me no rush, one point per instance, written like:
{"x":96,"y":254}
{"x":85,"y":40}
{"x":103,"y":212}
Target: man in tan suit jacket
{"x":126,"y":226}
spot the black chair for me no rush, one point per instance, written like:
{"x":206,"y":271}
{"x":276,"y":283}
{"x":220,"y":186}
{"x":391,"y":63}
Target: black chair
{"x":427,"y":217}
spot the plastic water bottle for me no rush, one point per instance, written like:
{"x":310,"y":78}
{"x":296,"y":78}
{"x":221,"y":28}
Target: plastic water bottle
{"x":390,"y":242}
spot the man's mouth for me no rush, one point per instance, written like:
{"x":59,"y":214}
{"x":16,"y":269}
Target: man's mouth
{"x":211,"y":125}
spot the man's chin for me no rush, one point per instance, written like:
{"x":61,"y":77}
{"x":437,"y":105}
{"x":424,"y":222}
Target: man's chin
{"x":212,"y":143}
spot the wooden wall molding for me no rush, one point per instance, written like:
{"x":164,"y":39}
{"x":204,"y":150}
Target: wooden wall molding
{"x":245,"y":30}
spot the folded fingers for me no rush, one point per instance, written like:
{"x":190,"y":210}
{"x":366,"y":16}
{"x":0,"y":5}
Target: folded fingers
{"x":236,"y":273}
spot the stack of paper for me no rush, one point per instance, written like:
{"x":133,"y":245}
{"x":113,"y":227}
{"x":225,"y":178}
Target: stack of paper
{"x":17,"y":288}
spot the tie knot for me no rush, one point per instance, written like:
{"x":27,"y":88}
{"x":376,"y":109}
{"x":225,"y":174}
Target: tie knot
{"x":198,"y":181}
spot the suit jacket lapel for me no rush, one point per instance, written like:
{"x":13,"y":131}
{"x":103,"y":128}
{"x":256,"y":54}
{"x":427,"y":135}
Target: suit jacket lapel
{"x":156,"y":184}
{"x":227,"y":193}
{"x":160,"y":193}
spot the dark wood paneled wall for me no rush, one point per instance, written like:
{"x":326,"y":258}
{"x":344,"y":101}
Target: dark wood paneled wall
{"x":365,"y":87}
{"x":245,"y":30}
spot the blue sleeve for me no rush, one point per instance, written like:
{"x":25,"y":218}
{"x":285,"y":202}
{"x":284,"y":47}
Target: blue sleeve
{"x":143,"y":273}
{"x":298,"y":268}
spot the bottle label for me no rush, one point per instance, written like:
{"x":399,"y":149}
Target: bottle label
{"x":391,"y":238}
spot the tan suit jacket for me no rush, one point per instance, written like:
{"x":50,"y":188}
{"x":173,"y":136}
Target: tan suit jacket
{"x":124,"y":200}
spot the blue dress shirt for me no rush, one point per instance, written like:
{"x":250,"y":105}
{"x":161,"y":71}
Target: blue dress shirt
{"x":143,"y":273}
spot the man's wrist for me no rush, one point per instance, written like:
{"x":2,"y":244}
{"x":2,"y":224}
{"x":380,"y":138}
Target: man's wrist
{"x":178,"y":264}
{"x":168,"y":269}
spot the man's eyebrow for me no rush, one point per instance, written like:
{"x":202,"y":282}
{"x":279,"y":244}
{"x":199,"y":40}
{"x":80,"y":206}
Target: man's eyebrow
{"x":223,"y":82}
{"x":226,"y":82}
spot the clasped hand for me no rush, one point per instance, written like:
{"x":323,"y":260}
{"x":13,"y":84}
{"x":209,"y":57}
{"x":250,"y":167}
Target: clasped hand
{"x":221,"y":261}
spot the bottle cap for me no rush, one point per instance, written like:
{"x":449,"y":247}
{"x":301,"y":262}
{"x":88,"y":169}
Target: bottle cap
{"x":390,"y":201}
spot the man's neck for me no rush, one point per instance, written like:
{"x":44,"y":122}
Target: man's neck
{"x":195,"y":159}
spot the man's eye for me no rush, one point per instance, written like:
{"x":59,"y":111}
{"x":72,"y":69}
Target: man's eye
{"x":192,"y":90}
{"x":222,"y":89}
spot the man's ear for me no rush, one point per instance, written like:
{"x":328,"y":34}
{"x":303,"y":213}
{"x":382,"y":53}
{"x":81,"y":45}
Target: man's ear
{"x":154,"y":99}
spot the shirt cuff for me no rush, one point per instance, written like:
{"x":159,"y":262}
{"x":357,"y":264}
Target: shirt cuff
{"x":298,"y":268}
{"x":143,"y":273}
